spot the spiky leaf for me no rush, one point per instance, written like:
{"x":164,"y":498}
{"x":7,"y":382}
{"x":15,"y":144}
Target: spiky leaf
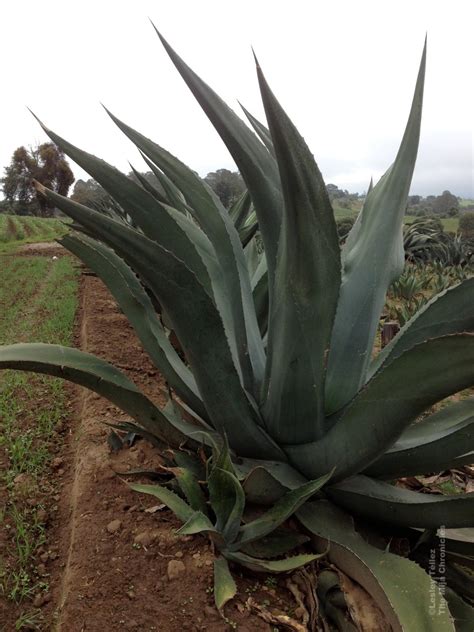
{"x":400,"y":587}
{"x":307,"y":268}
{"x":225,"y":587}
{"x":387,"y":405}
{"x":372,"y":259}
{"x":381,"y":501}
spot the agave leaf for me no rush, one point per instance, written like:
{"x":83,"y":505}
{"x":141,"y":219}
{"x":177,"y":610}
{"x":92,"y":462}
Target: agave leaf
{"x":178,"y":506}
{"x":252,"y":257}
{"x":257,"y":166}
{"x":148,"y":186}
{"x":190,"y":461}
{"x":240,"y":210}
{"x":226,"y":495}
{"x":387,"y":405}
{"x":281,"y":511}
{"x":307,"y":268}
{"x":186,"y":302}
{"x":198,"y":523}
{"x":400,"y":587}
{"x":199,"y":432}
{"x":438,"y":442}
{"x":93,"y":373}
{"x":145,"y":210}
{"x":262,"y":132}
{"x":261,"y":296}
{"x":372,"y":259}
{"x":272,"y":566}
{"x":227,"y":500}
{"x":278,"y":543}
{"x":462,"y":612}
{"x":175,"y":197}
{"x":137,"y":307}
{"x":247,"y":233}
{"x":225,"y":588}
{"x":449,"y":312}
{"x":216,"y":223}
{"x":380,"y":501}
{"x":191,"y":489}
{"x":289,"y":477}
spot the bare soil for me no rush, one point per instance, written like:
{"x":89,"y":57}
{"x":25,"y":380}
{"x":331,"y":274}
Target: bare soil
{"x":111,"y":562}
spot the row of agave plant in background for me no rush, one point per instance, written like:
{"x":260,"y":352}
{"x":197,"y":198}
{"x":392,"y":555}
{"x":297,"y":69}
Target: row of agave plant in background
{"x":418,"y":284}
{"x":425,"y":241}
{"x":278,"y":402}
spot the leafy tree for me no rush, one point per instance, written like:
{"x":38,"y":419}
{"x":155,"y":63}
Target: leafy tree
{"x":228,"y":185}
{"x":466,"y":225}
{"x":88,"y":192}
{"x":335,"y":192}
{"x":413,"y":200}
{"x":445,"y":202}
{"x":45,"y":163}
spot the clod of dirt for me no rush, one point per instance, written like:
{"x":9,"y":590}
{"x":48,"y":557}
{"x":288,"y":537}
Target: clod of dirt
{"x":175,"y":569}
{"x":23,"y":482}
{"x":114,"y":526}
{"x":42,"y":515}
{"x":210,"y":612}
{"x":57,"y":463}
{"x":145,"y":538}
{"x":41,"y":599}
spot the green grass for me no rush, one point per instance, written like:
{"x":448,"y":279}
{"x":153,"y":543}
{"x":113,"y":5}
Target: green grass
{"x":16,"y":230}
{"x":38,"y":301}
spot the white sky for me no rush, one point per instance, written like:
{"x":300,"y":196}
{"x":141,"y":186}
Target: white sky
{"x":343,"y":70}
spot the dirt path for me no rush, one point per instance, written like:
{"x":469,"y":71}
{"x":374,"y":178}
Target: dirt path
{"x":116,"y":554}
{"x":41,"y":247}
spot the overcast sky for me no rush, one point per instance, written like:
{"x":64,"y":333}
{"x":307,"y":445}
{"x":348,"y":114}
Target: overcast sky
{"x":343,"y":70}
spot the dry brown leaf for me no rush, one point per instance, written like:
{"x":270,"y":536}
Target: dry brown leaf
{"x":276,"y":618}
{"x":154,"y":509}
{"x":365,"y":613}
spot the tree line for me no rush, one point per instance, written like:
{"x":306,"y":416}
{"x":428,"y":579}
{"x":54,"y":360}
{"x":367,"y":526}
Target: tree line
{"x":47,"y":164}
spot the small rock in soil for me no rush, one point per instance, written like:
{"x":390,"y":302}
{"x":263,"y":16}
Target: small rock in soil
{"x":175,"y":569}
{"x":145,"y":538}
{"x":114,"y":526}
{"x":41,"y":599}
{"x":179,"y":554}
{"x":42,"y":515}
{"x":209,"y":611}
{"x":23,"y":483}
{"x":57,"y":463}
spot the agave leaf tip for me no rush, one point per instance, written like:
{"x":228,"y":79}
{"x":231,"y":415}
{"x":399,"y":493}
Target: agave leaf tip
{"x":45,"y":128}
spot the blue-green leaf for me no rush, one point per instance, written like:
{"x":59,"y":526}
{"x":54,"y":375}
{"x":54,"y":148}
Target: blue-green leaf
{"x":306,"y":287}
{"x":373,"y":258}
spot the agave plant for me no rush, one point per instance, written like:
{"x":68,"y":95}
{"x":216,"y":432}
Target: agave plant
{"x":278,"y":342}
{"x":423,"y":240}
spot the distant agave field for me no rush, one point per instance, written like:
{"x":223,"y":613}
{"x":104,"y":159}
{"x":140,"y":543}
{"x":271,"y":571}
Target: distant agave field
{"x":16,"y":230}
